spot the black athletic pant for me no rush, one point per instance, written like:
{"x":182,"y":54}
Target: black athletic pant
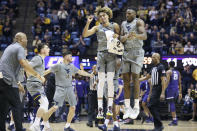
{"x":92,"y":106}
{"x":10,"y":97}
{"x":154,"y":105}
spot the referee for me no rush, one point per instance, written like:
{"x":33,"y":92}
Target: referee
{"x":157,"y":90}
{"x":92,"y":99}
{"x":10,"y":63}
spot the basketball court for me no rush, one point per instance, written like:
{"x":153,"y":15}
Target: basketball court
{"x":81,"y":126}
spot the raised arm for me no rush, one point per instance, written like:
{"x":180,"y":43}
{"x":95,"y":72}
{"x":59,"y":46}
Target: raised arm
{"x":86,"y":31}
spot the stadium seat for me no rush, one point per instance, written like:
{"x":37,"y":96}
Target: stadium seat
{"x":3,"y":46}
{"x":75,"y":40}
{"x":74,"y":35}
{"x":120,"y":5}
{"x":87,"y":41}
{"x":58,"y":53}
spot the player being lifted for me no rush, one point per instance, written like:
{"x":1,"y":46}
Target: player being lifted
{"x":132,"y":35}
{"x":106,"y":61}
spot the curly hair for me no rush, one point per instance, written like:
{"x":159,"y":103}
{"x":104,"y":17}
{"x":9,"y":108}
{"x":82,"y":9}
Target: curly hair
{"x":106,"y":10}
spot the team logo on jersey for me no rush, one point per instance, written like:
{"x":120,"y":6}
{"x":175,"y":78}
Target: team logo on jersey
{"x":67,"y":71}
{"x":128,"y":27}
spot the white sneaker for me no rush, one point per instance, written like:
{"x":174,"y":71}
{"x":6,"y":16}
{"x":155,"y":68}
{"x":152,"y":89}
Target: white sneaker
{"x":135,"y":112}
{"x":34,"y":127}
{"x":127,"y":113}
{"x":47,"y":129}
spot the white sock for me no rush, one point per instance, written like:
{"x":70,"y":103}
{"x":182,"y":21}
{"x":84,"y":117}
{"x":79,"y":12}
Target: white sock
{"x":37,"y":121}
{"x":67,"y":125}
{"x":136,"y":103}
{"x":174,"y":119}
{"x":127,"y":103}
{"x":110,"y":102}
{"x":116,"y":123}
{"x":46,"y":124}
{"x":100,"y":103}
{"x":106,"y":122}
{"x":11,"y":122}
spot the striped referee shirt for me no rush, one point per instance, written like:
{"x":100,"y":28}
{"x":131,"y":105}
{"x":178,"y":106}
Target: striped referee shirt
{"x":93,"y":81}
{"x":156,"y":73}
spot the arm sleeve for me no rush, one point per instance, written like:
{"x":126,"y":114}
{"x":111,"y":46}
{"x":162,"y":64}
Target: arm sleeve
{"x":74,"y":69}
{"x":36,"y":61}
{"x":54,"y":68}
{"x":21,"y":54}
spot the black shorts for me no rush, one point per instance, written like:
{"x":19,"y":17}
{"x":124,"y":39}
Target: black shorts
{"x":195,"y":100}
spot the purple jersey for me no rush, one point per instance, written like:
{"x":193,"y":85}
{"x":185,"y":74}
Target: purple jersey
{"x":80,"y":88}
{"x":144,"y":86}
{"x":174,"y":80}
{"x":120,"y":81}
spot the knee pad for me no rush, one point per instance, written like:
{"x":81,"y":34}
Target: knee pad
{"x":44,"y":103}
{"x":110,"y":76}
{"x":172,"y":107}
{"x":101,"y":77}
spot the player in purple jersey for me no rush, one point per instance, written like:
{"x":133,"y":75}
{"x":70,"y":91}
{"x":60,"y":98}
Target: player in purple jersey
{"x":173,"y":90}
{"x":144,"y":92}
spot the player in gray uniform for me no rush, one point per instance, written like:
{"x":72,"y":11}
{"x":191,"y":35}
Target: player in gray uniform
{"x":116,"y":86}
{"x":64,"y":90}
{"x":106,"y":61}
{"x":132,"y":35}
{"x":36,"y":90}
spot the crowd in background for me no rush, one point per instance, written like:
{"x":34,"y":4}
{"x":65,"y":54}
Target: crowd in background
{"x":171,"y":26}
{"x":8,"y":14}
{"x":60,"y":23}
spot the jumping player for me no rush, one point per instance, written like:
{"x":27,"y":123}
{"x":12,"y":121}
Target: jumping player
{"x":132,"y":35}
{"x":106,"y":61}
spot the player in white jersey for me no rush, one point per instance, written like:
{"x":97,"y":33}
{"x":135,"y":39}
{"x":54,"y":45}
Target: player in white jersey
{"x":132,"y":35}
{"x":106,"y":61}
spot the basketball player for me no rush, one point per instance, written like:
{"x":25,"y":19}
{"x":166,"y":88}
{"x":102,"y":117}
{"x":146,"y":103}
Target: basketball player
{"x":144,"y":92}
{"x":118,"y":100}
{"x":157,"y":91}
{"x":106,"y":61}
{"x":173,"y":90}
{"x":12,"y":60}
{"x":36,"y":90}
{"x":64,"y":90}
{"x":132,"y":35}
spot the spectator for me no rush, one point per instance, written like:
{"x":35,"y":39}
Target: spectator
{"x":36,"y":41}
{"x":54,"y":17}
{"x":73,"y":25}
{"x":62,"y":15}
{"x":189,"y":49}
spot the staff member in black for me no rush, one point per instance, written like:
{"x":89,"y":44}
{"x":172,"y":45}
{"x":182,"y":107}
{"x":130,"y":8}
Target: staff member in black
{"x":157,"y":90}
{"x":92,"y":99}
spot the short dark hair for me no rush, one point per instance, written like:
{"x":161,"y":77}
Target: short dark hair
{"x":41,"y":46}
{"x":132,"y":8}
{"x":67,"y":52}
{"x":172,"y":63}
